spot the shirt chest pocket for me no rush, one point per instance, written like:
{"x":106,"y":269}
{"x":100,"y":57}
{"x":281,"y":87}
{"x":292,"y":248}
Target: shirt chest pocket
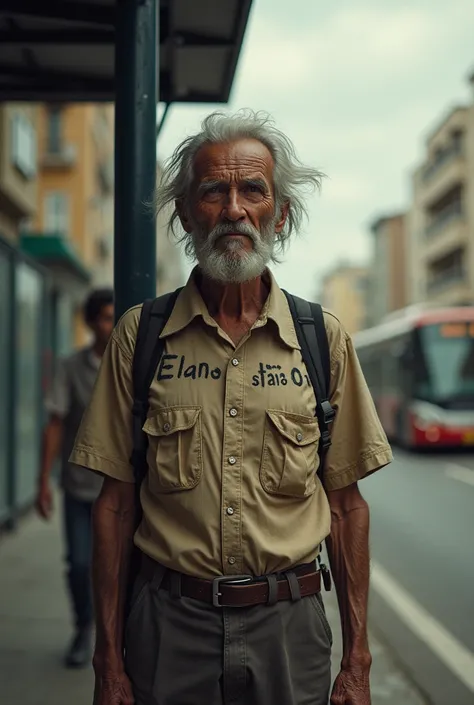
{"x":290,"y":454}
{"x":174,"y":449}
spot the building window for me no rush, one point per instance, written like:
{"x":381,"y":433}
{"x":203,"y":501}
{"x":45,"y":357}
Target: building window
{"x":448,"y":270}
{"x":54,"y":130}
{"x":56,"y":213}
{"x":23,"y":145}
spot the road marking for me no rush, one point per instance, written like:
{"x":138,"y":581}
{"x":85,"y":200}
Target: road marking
{"x":446,"y":647}
{"x":460,"y":473}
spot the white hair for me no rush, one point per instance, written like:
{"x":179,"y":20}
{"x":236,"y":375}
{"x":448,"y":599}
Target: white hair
{"x":290,"y":177}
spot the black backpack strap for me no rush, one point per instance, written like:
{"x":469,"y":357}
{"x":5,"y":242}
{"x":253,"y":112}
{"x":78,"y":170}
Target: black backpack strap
{"x":312,"y":337}
{"x":148,"y":351}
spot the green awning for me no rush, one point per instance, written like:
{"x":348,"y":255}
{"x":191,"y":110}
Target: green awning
{"x":53,"y":251}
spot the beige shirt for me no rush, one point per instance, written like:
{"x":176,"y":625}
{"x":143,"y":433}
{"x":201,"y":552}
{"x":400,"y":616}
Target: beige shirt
{"x":233,"y":441}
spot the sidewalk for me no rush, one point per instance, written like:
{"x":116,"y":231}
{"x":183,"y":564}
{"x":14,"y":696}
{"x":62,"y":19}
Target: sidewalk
{"x":35,"y":627}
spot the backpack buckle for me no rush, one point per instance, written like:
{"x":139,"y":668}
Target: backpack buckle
{"x":328,"y":418}
{"x":328,"y":412}
{"x":325,"y":439}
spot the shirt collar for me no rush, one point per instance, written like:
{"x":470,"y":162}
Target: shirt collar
{"x":190,"y":305}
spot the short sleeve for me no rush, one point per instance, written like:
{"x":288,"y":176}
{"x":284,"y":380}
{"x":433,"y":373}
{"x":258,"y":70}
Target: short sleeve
{"x":104,"y":440}
{"x":359,"y":445}
{"x":58,"y":400}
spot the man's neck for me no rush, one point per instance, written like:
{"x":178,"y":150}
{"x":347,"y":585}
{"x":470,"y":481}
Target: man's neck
{"x":98,"y":348}
{"x":234,"y":301}
{"x":235,"y":307}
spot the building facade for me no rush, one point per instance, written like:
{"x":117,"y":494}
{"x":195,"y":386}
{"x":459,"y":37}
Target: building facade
{"x":344,"y":293}
{"x":56,"y":235}
{"x":23,"y":284}
{"x":387,"y":286}
{"x":56,"y":242}
{"x":72,"y":231}
{"x":441,"y":219}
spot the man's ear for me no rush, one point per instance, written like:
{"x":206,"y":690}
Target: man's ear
{"x":284,"y":210}
{"x":183,"y":216}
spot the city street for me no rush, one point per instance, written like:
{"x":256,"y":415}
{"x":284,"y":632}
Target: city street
{"x":422,"y":600}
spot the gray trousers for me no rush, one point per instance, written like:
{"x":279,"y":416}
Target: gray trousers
{"x":180,"y":651}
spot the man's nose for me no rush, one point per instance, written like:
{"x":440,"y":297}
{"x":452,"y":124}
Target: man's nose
{"x":233,"y":209}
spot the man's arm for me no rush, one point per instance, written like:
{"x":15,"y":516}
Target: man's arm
{"x":359,"y":448}
{"x":57,"y":404}
{"x":113,"y":522}
{"x":52,"y":439}
{"x":348,"y":551}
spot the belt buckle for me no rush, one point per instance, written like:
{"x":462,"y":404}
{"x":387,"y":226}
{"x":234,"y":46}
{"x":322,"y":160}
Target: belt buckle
{"x":230,"y":579}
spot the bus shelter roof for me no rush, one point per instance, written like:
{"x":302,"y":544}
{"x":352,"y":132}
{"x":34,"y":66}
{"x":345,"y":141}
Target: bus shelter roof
{"x":63,"y":50}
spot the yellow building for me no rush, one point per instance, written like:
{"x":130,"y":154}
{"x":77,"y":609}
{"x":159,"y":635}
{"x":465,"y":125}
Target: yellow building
{"x":344,"y":293}
{"x":441,"y":219}
{"x":72,"y":231}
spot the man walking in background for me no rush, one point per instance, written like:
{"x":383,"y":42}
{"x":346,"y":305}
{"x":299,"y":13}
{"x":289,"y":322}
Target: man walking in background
{"x":71,"y":392}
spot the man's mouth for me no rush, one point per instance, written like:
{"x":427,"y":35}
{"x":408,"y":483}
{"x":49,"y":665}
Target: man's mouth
{"x":237,"y":235}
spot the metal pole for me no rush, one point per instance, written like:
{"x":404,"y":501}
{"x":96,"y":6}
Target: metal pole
{"x":135,"y":153}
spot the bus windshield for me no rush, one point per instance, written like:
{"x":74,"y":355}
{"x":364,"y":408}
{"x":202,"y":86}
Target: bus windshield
{"x":447,"y":366}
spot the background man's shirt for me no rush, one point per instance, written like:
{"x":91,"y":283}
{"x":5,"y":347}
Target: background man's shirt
{"x":70,"y":394}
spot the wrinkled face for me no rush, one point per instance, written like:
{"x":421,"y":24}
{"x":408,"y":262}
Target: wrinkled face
{"x":231,"y":212}
{"x":103,"y":325}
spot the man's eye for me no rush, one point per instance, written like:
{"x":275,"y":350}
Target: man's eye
{"x":253,"y":188}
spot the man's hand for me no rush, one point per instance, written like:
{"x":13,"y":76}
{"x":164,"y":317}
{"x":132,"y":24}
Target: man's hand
{"x":44,"y":500}
{"x":352,"y":686}
{"x":112,"y":689}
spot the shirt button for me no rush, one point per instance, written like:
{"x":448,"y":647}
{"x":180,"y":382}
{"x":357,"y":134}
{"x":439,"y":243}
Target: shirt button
{"x":235,"y":362}
{"x":166,"y":427}
{"x":232,"y":460}
{"x":230,"y":511}
{"x":233,"y":412}
{"x":231,"y":560}
{"x":299,"y":437}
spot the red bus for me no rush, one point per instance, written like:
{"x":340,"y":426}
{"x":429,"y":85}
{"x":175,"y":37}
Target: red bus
{"x":419,"y":365}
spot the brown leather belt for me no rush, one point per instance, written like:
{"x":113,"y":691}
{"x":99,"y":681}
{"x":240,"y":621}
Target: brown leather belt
{"x":240,"y":590}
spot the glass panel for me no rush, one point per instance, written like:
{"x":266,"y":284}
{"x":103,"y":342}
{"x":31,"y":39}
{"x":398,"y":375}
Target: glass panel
{"x":5,"y":349}
{"x":448,"y":374}
{"x":29,"y":287}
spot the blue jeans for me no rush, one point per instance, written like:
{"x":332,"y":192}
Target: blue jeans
{"x":78,"y":537}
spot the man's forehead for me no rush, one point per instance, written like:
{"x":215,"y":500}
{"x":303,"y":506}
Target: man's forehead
{"x":240,"y":155}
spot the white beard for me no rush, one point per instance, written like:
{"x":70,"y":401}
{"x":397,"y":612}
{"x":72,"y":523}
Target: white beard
{"x":234,"y":265}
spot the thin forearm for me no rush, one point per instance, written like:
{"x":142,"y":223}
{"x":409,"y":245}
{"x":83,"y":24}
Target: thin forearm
{"x":52,"y":439}
{"x":113,"y":539}
{"x":348,"y":551}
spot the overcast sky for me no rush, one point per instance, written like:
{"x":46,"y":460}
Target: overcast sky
{"x":357,"y":85}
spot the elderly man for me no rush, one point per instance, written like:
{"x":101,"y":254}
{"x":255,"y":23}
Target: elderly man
{"x":231,"y":489}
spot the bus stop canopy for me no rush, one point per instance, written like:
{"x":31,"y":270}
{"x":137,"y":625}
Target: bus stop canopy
{"x":63,"y":50}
